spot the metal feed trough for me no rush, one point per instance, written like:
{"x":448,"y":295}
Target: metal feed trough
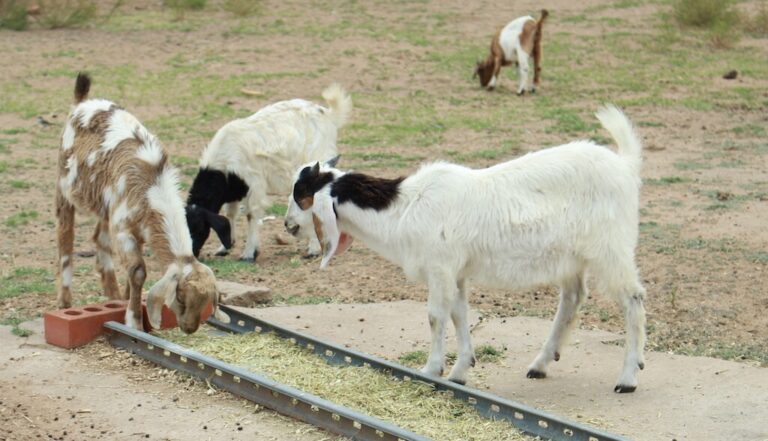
{"x":323,"y":413}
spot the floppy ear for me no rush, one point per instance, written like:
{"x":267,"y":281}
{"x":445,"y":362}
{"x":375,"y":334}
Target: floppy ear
{"x":326,"y":229}
{"x":221,"y":226}
{"x":333,"y":161}
{"x":218,"y":313}
{"x":162,"y":293}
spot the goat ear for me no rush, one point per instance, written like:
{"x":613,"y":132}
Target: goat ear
{"x":162,"y":293}
{"x":221,"y":226}
{"x":326,"y":229}
{"x":217,"y":312}
{"x":333,"y":161}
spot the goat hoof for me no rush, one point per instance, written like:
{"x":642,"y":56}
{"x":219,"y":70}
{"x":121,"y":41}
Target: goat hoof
{"x":457,"y":381}
{"x":222,"y":253}
{"x":533,"y":90}
{"x":521,"y":93}
{"x":473,"y":362}
{"x":249,"y":259}
{"x":622,"y":389}
{"x":310,"y":256}
{"x":557,"y":356}
{"x":533,"y":373}
{"x":641,"y":365}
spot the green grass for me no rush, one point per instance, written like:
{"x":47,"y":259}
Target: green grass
{"x":18,"y":184}
{"x":14,"y":319}
{"x":665,"y":180}
{"x":301,"y":300}
{"x":483,"y":353}
{"x":20,"y":219}
{"x":226,"y":267}
{"x":277,"y":209}
{"x":25,"y":280}
{"x":3,"y":166}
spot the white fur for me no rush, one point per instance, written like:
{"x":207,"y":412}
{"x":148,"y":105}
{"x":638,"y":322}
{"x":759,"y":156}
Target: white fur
{"x":265,"y":149}
{"x":150,"y":152}
{"x":122,"y":126}
{"x":121,"y":186}
{"x":68,"y":137}
{"x":545,"y":218}
{"x":121,"y":213}
{"x":164,"y":197}
{"x":85,"y":111}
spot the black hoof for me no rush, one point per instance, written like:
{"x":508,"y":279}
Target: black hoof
{"x":533,"y":91}
{"x":461,"y":382}
{"x":621,"y":389}
{"x":222,"y":253}
{"x":536,"y":374}
{"x":310,"y":256}
{"x":521,"y":93}
{"x":557,"y":356}
{"x":473,"y":362}
{"x":250,"y":259}
{"x":641,"y":365}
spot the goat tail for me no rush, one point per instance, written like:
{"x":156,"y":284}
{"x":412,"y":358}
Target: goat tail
{"x":339,"y":102}
{"x":623,"y":132}
{"x":537,"y":51}
{"x":82,"y":87}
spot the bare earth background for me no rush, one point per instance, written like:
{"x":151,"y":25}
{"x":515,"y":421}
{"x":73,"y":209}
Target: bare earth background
{"x":703,"y":248}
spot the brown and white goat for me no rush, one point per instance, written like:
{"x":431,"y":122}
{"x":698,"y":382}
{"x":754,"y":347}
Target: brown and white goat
{"x":110,"y":165}
{"x":518,"y":41}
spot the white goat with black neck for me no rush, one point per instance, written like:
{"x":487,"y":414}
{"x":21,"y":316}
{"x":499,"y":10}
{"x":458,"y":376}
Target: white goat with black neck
{"x":548,"y":217}
{"x":251,"y":158}
{"x":111,"y":166}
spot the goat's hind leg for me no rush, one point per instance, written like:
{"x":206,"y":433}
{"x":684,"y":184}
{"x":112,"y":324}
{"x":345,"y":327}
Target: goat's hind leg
{"x":65,"y":213}
{"x":634,"y":359}
{"x":572,"y":295}
{"x":104,"y":263}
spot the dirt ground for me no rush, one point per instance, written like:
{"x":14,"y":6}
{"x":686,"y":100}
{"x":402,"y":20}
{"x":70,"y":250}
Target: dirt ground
{"x":703,"y":251}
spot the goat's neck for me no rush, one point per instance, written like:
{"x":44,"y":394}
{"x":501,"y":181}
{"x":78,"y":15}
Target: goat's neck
{"x":169,"y":237}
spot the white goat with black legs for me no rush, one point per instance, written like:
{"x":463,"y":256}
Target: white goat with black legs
{"x":548,"y":217}
{"x":250,"y":158}
{"x":111,"y":166}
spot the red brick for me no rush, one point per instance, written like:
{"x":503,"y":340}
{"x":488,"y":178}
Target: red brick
{"x":73,"y":327}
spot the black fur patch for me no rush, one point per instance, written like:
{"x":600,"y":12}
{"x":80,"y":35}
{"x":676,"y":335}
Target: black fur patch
{"x":366,"y":191}
{"x":212,"y":189}
{"x":310,"y":182}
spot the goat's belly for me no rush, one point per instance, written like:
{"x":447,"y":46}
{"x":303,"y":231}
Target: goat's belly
{"x":521,"y":272}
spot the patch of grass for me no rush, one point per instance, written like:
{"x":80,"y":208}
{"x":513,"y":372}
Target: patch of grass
{"x":665,"y":180}
{"x":757,"y":25}
{"x":14,"y":320}
{"x":3,"y":166}
{"x":180,"y":7}
{"x":21,"y":218}
{"x":242,"y":8}
{"x":704,"y":13}
{"x":489,"y":353}
{"x":14,"y":131}
{"x":301,"y":300}
{"x":751,"y":130}
{"x":225,"y":267}
{"x":13,"y":15}
{"x":691,"y":165}
{"x":362,"y":160}
{"x":18,"y":184}
{"x":24,"y":280}
{"x":59,"y":14}
{"x":758,"y":257}
{"x":413,"y":358}
{"x":277,"y":209}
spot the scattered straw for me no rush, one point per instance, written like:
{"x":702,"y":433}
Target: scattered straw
{"x":411,"y":405}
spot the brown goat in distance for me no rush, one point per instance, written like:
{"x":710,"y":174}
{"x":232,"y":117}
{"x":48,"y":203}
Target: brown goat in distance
{"x":518,"y":41}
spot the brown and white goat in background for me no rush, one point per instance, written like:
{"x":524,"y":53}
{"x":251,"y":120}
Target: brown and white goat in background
{"x":110,"y":165}
{"x":518,"y":41}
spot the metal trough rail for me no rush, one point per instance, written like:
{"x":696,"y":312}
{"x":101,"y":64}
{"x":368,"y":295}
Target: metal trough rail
{"x":525,"y":418}
{"x":279,"y":397}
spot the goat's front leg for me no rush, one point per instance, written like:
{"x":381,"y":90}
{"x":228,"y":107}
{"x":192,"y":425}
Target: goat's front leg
{"x":496,"y":71}
{"x":442,"y":290}
{"x":131,"y":248}
{"x":65,"y":213}
{"x":104,"y":263}
{"x":230,"y":210}
{"x":254,"y":206}
{"x":459,"y":311}
{"x":522,"y":70}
